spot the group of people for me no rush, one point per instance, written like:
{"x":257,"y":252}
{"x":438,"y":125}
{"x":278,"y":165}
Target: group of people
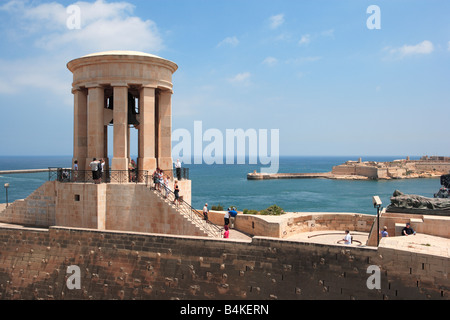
{"x":406,"y":231}
{"x":162,"y":182}
{"x":97,"y":168}
{"x":229,"y":219}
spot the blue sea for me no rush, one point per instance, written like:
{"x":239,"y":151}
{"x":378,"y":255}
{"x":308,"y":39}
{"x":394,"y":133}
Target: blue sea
{"x":227,"y":185}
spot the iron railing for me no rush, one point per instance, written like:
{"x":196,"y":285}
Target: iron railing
{"x":181,"y":173}
{"x":186,"y":209}
{"x":108,"y":176}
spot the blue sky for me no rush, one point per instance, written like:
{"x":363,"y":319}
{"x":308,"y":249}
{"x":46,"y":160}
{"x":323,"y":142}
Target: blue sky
{"x":312,"y":69}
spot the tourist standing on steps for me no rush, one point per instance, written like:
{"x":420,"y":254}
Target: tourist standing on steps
{"x":226,"y":218}
{"x":226,"y":234}
{"x":384,"y":233}
{"x":166,"y":187}
{"x":176,"y":191}
{"x":94,"y":168}
{"x":205,"y":212}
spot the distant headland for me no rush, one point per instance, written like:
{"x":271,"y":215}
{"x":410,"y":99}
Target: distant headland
{"x":426,"y":167}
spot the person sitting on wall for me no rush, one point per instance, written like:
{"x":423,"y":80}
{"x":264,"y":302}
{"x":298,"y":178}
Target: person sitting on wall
{"x":408,"y":230}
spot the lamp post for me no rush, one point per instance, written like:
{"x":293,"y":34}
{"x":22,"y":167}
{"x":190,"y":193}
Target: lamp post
{"x":6,"y":188}
{"x":377,"y":204}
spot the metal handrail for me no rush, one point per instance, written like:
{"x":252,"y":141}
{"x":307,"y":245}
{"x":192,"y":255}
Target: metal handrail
{"x":187,"y":210}
{"x":108,"y":176}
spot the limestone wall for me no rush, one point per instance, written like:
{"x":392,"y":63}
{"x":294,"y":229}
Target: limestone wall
{"x":125,"y":265}
{"x":101,"y":206}
{"x":292,"y":223}
{"x":37,"y":210}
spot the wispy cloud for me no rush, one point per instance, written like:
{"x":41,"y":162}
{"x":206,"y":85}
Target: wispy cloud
{"x":303,"y":60}
{"x":423,"y":48}
{"x":229,"y":41}
{"x":270,"y":61}
{"x":305,"y":39}
{"x":241,"y":79}
{"x":276,"y":21}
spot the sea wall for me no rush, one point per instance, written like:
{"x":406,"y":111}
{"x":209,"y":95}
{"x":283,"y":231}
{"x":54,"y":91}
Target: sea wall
{"x":126,"y":265}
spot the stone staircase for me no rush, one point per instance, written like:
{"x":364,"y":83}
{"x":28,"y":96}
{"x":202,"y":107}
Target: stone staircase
{"x":190,"y":214}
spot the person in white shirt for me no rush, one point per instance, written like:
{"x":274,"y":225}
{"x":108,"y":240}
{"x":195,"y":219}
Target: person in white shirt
{"x":94,"y":168}
{"x":205,"y":212}
{"x":348,"y":237}
{"x":178,"y":169}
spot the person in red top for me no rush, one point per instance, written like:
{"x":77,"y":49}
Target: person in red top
{"x":226,"y":234}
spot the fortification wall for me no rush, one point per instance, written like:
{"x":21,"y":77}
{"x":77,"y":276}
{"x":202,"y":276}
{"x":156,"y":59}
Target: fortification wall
{"x":124,"y":265}
{"x":433,"y":166}
{"x":293,"y":223}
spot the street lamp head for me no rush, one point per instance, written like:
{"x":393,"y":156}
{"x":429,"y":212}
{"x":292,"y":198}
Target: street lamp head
{"x":376,"y":201}
{"x":6,"y":185}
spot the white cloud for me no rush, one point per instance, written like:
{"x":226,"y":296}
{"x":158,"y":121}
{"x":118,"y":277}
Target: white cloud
{"x":241,"y":78}
{"x":425,"y":47}
{"x":305,"y":39}
{"x":104,"y":26}
{"x":328,"y":33}
{"x":276,"y":21}
{"x":270,"y":61}
{"x":230,"y":41}
{"x":303,"y":60}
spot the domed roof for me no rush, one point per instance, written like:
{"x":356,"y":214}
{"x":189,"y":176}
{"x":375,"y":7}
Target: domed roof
{"x":121,"y":53}
{"x":79,"y":61}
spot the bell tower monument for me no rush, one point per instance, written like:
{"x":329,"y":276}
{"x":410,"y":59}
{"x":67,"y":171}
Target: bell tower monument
{"x":124,"y":89}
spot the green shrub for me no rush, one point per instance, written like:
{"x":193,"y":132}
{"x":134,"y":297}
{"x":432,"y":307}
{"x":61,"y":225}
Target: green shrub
{"x":246,"y":211}
{"x":270,"y":211}
{"x":217,"y":208}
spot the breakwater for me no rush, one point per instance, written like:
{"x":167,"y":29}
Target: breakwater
{"x":318,"y":175}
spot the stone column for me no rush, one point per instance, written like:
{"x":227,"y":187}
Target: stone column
{"x":80,"y":128}
{"x":95,"y":124}
{"x":165,"y":132}
{"x":147,"y":160}
{"x":120,"y":144}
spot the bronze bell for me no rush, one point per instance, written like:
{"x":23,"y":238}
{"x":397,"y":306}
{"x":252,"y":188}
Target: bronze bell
{"x":132,"y":114}
{"x":132,"y":111}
